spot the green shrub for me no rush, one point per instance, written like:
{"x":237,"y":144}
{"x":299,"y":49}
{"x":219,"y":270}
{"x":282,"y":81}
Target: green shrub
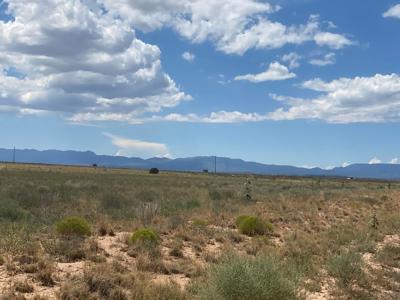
{"x":146,"y":236}
{"x":252,"y":226}
{"x":241,"y":278}
{"x":73,"y":226}
{"x":346,"y":268}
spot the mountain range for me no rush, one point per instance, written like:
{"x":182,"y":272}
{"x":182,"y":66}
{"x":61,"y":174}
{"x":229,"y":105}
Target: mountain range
{"x":196,"y":164}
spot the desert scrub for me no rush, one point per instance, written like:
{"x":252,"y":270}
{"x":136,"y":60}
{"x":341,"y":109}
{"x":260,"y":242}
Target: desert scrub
{"x":11,"y":211}
{"x":346,"y":268}
{"x":390,"y":256}
{"x":73,"y":226}
{"x":252,"y":226}
{"x":23,"y":287}
{"x":241,"y":278}
{"x":112,"y":282}
{"x":145,"y":236}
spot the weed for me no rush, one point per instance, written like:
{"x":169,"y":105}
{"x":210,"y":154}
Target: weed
{"x":390,"y":256}
{"x":262,"y":278}
{"x":346,"y":268}
{"x":23,"y":287}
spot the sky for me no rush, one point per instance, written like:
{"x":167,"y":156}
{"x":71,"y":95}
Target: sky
{"x":293,"y":82}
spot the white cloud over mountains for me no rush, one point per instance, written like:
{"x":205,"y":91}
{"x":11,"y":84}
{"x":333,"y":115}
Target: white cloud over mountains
{"x":137,"y":148}
{"x":73,"y":57}
{"x":375,"y":161}
{"x":393,"y":12}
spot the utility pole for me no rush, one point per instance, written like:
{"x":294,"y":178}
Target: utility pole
{"x":215,"y":164}
{"x":14,"y":155}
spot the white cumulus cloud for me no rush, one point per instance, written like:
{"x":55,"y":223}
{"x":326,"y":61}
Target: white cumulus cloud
{"x":234,"y":26}
{"x":275,"y":72}
{"x":393,"y":12}
{"x":137,"y":148}
{"x":346,"y":100}
{"x":332,"y":40}
{"x":293,"y":59}
{"x":326,"y":60}
{"x":73,"y":57}
{"x":188,"y":56}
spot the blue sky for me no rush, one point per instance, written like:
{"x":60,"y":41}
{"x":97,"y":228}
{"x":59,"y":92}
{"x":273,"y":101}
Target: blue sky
{"x":306,"y":83}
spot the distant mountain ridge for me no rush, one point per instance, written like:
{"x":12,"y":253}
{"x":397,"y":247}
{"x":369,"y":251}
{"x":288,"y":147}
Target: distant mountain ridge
{"x":196,"y":164}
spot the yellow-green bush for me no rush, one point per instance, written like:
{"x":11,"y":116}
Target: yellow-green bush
{"x":145,"y":236}
{"x":252,"y":226}
{"x":73,"y":226}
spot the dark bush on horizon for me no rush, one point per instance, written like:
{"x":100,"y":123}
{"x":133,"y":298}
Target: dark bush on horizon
{"x":154,"y":171}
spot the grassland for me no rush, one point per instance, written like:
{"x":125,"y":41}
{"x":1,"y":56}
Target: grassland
{"x":322,"y":239}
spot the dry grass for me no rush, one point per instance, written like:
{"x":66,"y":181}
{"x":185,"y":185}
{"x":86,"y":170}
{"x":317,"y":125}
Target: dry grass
{"x":331,"y":237}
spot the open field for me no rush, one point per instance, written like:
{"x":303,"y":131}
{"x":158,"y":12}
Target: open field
{"x":313,"y":238}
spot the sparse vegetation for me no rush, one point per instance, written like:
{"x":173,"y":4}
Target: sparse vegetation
{"x":309,"y":237}
{"x":346,"y":268}
{"x":390,"y":256}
